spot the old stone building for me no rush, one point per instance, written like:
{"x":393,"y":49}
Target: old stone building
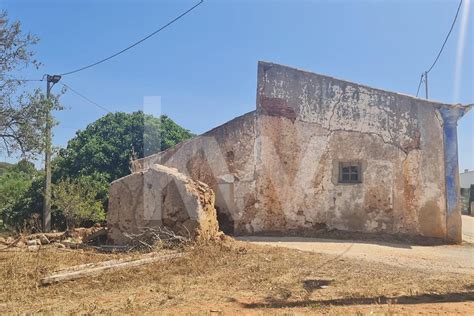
{"x":319,"y":152}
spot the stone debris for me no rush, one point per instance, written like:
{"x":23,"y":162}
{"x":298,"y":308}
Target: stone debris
{"x":74,"y":238}
{"x":33,"y":242}
{"x":44,"y":240}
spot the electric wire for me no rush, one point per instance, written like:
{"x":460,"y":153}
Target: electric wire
{"x":69,"y":88}
{"x":419,"y":84}
{"x":134,"y":44}
{"x":441,"y":50}
{"x":85,"y":98}
{"x":447,"y":37}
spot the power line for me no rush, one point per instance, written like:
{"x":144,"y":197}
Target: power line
{"x":136,"y":43}
{"x":424,"y":75}
{"x":419,"y":84}
{"x":447,"y":36}
{"x":86,"y":98}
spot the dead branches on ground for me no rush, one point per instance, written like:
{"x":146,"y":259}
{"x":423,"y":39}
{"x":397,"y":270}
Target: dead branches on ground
{"x":152,"y":238}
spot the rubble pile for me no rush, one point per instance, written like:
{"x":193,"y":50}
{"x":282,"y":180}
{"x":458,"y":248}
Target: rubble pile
{"x":160,"y":198}
{"x":74,"y":238}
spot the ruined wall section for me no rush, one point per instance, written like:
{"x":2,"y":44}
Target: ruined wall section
{"x":224,"y":159}
{"x":308,"y":123}
{"x":160,"y":197}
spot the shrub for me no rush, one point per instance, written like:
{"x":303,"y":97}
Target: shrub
{"x":77,"y":202}
{"x":16,"y":192}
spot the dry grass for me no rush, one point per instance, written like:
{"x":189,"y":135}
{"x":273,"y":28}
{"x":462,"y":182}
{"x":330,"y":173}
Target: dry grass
{"x":230,"y":276}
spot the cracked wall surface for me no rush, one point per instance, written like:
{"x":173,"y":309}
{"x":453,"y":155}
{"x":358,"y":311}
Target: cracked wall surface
{"x":276,"y":169}
{"x":397,"y":138}
{"x":223,"y":158}
{"x":160,"y":197}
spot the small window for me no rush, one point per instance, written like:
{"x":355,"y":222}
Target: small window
{"x":350,"y":172}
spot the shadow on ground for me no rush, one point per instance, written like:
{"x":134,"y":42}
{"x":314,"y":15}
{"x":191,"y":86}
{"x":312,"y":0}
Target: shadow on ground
{"x":337,"y":236}
{"x":405,"y":299}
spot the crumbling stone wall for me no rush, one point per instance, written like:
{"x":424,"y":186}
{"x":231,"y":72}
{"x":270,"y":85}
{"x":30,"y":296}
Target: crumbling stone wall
{"x":224,"y":159}
{"x":276,"y":169}
{"x":160,"y":197}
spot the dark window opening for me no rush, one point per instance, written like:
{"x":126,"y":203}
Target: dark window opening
{"x":350,"y":172}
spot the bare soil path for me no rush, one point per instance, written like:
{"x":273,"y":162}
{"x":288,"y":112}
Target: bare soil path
{"x":441,"y":258}
{"x":468,"y":228}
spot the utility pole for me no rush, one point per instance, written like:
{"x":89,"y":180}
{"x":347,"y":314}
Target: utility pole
{"x":426,"y":84}
{"x":50,"y":81}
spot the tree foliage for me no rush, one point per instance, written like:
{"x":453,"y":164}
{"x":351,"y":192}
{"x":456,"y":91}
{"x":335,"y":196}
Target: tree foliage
{"x":4,"y":167}
{"x":22,"y":123}
{"x":15,"y":185}
{"x":23,"y":205}
{"x":106,"y":146}
{"x":83,"y":170}
{"x":77,"y":201}
{"x":22,"y":114}
{"x":14,"y":182}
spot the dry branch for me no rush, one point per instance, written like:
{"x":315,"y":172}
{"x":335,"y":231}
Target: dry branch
{"x":152,"y":236}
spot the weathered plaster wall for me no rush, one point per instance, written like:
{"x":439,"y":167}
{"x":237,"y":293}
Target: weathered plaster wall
{"x":276,"y":169}
{"x":223,"y":158}
{"x":307,"y":123}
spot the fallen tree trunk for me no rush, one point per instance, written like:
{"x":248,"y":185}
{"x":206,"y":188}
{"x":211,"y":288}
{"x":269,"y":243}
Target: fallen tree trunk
{"x":90,"y":269}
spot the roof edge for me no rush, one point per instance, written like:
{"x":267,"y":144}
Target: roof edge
{"x":262,"y":63}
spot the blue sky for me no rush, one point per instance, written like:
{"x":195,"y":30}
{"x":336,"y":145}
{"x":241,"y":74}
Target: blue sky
{"x":204,"y":67}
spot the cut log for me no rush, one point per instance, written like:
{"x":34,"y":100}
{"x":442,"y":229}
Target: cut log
{"x":109,"y":262}
{"x":94,"y":235}
{"x":85,"y":270}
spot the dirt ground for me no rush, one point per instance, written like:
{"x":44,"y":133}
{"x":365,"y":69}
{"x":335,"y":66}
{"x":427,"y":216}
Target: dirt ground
{"x":436,"y":258}
{"x":468,"y":228}
{"x":233,"y":277}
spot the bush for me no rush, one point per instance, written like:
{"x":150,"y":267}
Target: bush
{"x":77,"y":202}
{"x":17,"y":193}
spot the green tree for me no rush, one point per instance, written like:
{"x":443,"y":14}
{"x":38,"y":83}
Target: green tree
{"x":77,"y":202}
{"x":4,"y":166}
{"x":15,"y":185}
{"x":105,"y":147}
{"x":26,"y":205}
{"x":93,"y":158}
